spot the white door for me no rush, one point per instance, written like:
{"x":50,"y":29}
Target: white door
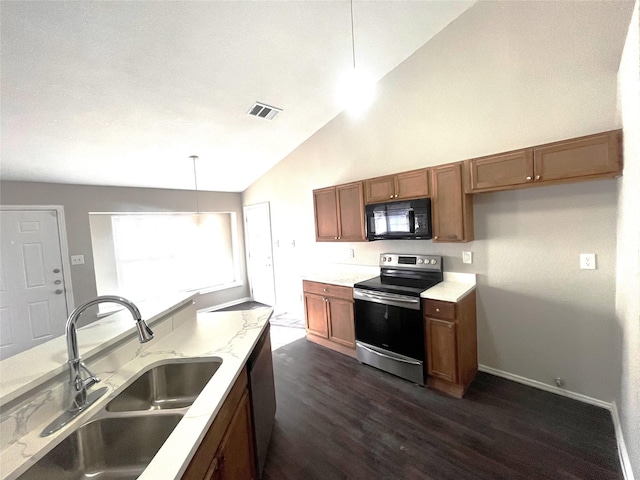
{"x":33,"y":304}
{"x":257,"y":223}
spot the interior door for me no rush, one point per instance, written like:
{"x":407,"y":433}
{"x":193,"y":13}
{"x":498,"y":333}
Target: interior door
{"x":33,"y":303}
{"x":257,"y":222}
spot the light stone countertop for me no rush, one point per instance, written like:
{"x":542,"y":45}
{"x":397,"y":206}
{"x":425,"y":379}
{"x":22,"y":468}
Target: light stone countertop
{"x":453,"y":288}
{"x":229,"y":336}
{"x":22,"y":372}
{"x":341,"y":274}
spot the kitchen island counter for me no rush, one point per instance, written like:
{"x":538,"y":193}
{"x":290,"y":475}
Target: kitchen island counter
{"x":229,"y":336}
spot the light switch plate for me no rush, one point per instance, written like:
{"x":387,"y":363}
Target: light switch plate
{"x":587,"y":261}
{"x":467,"y":257}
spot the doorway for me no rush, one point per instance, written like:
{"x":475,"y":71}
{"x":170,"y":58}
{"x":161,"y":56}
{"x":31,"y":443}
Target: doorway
{"x":257,"y":227}
{"x":35,"y":280}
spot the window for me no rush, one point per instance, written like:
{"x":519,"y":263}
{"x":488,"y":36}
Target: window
{"x":141,"y":256}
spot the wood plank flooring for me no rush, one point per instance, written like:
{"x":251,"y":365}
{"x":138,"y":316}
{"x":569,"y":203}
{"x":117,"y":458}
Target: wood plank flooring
{"x":338,"y":419}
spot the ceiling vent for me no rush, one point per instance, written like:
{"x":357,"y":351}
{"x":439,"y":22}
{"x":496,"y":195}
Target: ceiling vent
{"x":263,"y":111}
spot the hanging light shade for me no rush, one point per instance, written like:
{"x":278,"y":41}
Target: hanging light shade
{"x":356,"y":87}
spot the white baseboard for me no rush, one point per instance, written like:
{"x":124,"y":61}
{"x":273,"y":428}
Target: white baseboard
{"x":625,"y":463}
{"x":543,"y":386}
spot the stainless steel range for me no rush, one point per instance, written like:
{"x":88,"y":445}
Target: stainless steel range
{"x":388,"y":314}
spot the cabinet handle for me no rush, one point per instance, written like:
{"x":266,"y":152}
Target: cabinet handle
{"x":528,"y":178}
{"x":537,"y":177}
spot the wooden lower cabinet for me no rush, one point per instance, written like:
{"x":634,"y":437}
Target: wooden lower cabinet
{"x":328,"y":311}
{"x":451,"y":344}
{"x":226,"y":452}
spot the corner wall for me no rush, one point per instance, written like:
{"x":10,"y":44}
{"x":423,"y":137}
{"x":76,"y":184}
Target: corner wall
{"x":504,"y":75}
{"x":628,"y":264}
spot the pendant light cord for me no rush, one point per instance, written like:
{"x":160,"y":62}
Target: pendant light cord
{"x":195,"y":181}
{"x":353,"y":41}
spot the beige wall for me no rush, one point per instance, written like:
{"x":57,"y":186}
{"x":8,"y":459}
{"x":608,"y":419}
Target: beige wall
{"x":79,"y":200}
{"x":628,"y":265}
{"x":503,"y":75}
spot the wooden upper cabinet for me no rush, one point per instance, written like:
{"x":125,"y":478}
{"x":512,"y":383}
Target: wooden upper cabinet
{"x":402,"y":186}
{"x":498,"y":171}
{"x":452,"y":209}
{"x":350,"y":213}
{"x":583,"y":158}
{"x":593,"y":155}
{"x":339,"y":213}
{"x":326,"y":213}
{"x":380,"y":189}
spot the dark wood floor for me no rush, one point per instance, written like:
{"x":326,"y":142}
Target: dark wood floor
{"x":338,"y":419}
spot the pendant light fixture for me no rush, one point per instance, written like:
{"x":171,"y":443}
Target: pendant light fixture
{"x":195,"y":181}
{"x":356,"y":88}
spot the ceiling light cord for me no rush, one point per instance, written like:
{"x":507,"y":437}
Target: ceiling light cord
{"x":353,"y":38}
{"x":195,"y":181}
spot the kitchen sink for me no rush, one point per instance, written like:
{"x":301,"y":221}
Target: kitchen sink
{"x":165,"y":386}
{"x":106,"y":448}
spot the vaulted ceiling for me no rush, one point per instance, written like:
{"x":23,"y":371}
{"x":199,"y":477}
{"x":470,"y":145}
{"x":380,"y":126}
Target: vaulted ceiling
{"x":122,"y":93}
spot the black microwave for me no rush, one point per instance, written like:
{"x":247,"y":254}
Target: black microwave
{"x":403,"y":220}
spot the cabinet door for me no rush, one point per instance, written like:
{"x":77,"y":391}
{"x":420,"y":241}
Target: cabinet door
{"x":452,"y":209}
{"x":350,"y":212}
{"x":378,"y":190}
{"x":500,"y":171}
{"x":315,"y":311}
{"x":591,"y":155}
{"x":413,"y":184}
{"x":340,"y":319}
{"x":326,"y":214}
{"x":441,"y":349}
{"x":235,"y":460}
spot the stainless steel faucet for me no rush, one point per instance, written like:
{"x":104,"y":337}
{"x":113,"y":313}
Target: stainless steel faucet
{"x":78,"y":386}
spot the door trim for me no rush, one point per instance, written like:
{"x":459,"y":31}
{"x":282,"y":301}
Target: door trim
{"x":64,"y":246}
{"x":246,"y":208}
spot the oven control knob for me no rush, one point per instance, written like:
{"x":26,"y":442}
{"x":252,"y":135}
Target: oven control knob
{"x":420,"y":261}
{"x":433,"y":262}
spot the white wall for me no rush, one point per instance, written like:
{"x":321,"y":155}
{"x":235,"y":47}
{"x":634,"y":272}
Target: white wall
{"x":628,"y":265}
{"x":504,"y":75}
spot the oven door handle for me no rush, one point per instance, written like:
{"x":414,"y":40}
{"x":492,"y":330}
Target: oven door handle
{"x":387,"y":299}
{"x":410,"y":362}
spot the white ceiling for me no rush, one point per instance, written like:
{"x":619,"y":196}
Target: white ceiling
{"x":122,"y":93}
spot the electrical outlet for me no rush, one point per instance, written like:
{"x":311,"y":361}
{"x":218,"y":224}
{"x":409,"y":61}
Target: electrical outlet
{"x":467,"y":257}
{"x":559,"y":382}
{"x":350,"y":253}
{"x":77,"y":259}
{"x":587,"y":261}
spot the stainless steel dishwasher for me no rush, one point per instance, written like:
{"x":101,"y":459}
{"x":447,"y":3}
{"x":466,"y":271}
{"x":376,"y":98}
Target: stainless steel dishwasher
{"x":263,"y":397}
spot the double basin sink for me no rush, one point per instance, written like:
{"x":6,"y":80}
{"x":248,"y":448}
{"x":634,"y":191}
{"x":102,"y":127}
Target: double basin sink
{"x":120,"y":441}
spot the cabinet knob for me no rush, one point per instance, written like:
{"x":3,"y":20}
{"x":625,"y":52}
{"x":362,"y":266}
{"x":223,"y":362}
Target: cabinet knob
{"x":324,"y":289}
{"x":528,"y":178}
{"x":335,"y":238}
{"x":436,"y":237}
{"x":537,"y":177}
{"x":395,"y":196}
{"x":390,"y":196}
{"x":338,"y":238}
{"x":437,"y":309}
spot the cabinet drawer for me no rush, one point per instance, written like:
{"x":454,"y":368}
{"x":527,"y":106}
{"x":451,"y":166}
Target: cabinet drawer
{"x":439,"y":309}
{"x":328,"y":290}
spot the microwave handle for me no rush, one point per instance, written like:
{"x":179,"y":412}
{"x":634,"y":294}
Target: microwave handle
{"x":412,"y":221}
